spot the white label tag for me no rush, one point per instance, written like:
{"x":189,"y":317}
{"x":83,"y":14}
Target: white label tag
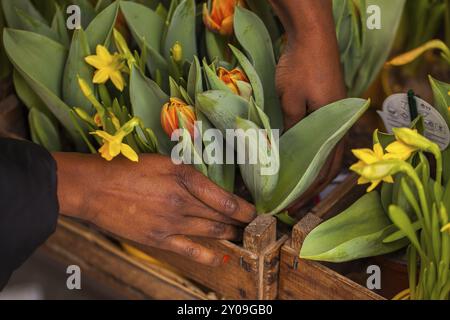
{"x":395,"y":114}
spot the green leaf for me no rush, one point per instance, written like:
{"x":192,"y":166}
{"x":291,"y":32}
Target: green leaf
{"x":264,"y":12}
{"x":305,"y":148}
{"x":147,"y":100}
{"x":29,"y":23}
{"x":182,"y":29}
{"x":441,"y":97}
{"x":355,"y":233}
{"x":100,"y":29}
{"x":258,"y":90}
{"x":214,"y":82}
{"x":5,"y":69}
{"x":41,"y":62}
{"x":221,"y":174}
{"x":377,"y":43}
{"x":10,"y":12}
{"x":222,"y":108}
{"x":254,"y":38}
{"x":195,"y":80}
{"x":87,"y":12}
{"x":216,"y":46}
{"x":446,"y":197}
{"x":147,"y":28}
{"x":28,"y":97}
{"x":260,"y":174}
{"x":43,"y":131}
{"x":77,"y":67}
{"x":402,"y":221}
{"x":59,"y":27}
{"x":441,"y":103}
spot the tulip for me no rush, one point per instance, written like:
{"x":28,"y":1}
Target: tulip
{"x":176,"y":110}
{"x":237,"y":81}
{"x":220,"y":19}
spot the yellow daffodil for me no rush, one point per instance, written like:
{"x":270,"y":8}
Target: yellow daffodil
{"x":414,"y":139}
{"x":109,"y":67}
{"x":367,"y":157}
{"x":122,"y":46}
{"x":446,"y":228}
{"x":399,"y":150}
{"x":113,"y":145}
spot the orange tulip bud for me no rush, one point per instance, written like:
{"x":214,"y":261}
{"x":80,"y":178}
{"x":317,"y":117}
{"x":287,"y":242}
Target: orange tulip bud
{"x":169,"y":116}
{"x":220,"y":19}
{"x":237,"y":81}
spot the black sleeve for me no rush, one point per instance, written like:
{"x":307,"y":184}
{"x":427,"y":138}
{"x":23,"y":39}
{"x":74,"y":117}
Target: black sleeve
{"x":28,"y":202}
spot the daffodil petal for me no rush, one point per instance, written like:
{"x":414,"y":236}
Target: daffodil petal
{"x":365,"y":155}
{"x":446,"y":228}
{"x":117,"y":80}
{"x":129,"y":153}
{"x":115,"y":148}
{"x":104,"y":135}
{"x":399,"y":150}
{"x":101,"y":76}
{"x":363,"y":180}
{"x":378,"y":150}
{"x":373,"y":185}
{"x":96,"y":62}
{"x":388,"y":179}
{"x":104,"y":152}
{"x":104,"y":54}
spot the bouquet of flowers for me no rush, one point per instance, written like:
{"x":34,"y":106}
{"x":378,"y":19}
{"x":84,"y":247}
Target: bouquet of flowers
{"x":157,"y":78}
{"x":412,"y":208}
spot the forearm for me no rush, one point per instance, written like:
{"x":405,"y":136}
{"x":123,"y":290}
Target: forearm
{"x":307,"y":22}
{"x":75,"y":180}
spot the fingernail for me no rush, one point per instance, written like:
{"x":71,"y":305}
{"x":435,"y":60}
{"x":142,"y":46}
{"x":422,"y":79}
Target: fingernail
{"x":225,"y":259}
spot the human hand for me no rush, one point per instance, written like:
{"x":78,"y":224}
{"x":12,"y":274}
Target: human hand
{"x":153,"y":202}
{"x":309,"y":74}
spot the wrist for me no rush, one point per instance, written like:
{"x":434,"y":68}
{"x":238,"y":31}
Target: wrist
{"x":308,"y":23}
{"x":74,"y":174}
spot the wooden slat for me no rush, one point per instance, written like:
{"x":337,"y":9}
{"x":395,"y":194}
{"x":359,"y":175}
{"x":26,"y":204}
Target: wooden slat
{"x":303,"y":279}
{"x":109,"y":265}
{"x":308,"y":280}
{"x":250,"y":273}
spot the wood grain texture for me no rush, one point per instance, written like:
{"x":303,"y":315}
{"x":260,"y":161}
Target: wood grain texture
{"x":310,"y":280}
{"x":251,"y":271}
{"x":99,"y":258}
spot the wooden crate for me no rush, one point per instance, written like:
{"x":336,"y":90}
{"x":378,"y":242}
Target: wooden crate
{"x":104,"y":262}
{"x":310,"y":280}
{"x":251,"y":271}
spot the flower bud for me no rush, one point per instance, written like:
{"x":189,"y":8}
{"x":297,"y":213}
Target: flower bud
{"x":414,"y":139}
{"x":177,"y":52}
{"x":171,"y":111}
{"x":237,"y":81}
{"x":83,"y":115}
{"x":220,"y":19}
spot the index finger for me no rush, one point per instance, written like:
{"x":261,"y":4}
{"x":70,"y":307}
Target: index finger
{"x":216,"y":198}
